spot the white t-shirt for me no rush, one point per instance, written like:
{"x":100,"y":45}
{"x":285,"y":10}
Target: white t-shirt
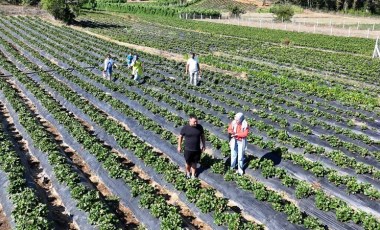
{"x":193,"y":65}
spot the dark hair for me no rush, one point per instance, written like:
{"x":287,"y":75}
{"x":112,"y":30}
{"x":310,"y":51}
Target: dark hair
{"x":191,"y":116}
{"x":192,"y":55}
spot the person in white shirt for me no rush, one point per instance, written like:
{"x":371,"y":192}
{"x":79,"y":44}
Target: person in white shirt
{"x":192,"y":68}
{"x":109,"y":63}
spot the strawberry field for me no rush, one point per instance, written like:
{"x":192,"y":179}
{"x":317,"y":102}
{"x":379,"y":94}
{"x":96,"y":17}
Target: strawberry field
{"x":82,"y":152}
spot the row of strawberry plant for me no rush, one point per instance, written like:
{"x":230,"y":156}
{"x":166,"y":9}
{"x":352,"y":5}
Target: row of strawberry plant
{"x":159,"y":96}
{"x":319,"y":60}
{"x":119,"y":106}
{"x":88,"y":199}
{"x":112,"y":163}
{"x":168,"y":167}
{"x":29,"y":212}
{"x":334,"y":98}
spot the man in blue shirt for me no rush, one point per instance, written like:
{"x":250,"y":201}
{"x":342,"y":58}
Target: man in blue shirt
{"x":129,"y":60}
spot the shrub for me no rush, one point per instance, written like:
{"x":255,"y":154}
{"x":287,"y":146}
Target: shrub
{"x":282,"y":12}
{"x":235,"y":10}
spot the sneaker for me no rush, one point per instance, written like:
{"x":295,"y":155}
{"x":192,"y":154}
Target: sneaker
{"x":188,"y":176}
{"x":193,"y":177}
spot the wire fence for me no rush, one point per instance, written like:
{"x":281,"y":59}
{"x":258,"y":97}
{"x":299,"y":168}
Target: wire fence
{"x":347,"y":29}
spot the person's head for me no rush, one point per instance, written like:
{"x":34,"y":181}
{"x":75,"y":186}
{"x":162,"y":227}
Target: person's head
{"x":193,"y":55}
{"x":108,"y":56}
{"x":239,"y":117}
{"x":137,"y":57}
{"x":193,"y":120}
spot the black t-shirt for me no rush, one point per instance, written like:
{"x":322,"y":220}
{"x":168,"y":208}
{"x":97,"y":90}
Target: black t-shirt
{"x":192,"y":137}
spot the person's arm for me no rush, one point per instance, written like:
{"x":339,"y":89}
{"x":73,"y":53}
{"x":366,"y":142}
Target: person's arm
{"x":230,"y":130}
{"x":243,"y":134}
{"x":203,"y":139}
{"x":180,"y":138}
{"x":199,"y":69}
{"x":187,"y":68}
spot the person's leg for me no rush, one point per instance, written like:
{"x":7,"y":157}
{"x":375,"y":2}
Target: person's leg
{"x":241,"y":156}
{"x":195,"y":78}
{"x":196,"y":157}
{"x":187,"y":156}
{"x":193,"y":169}
{"x":191,"y":78}
{"x":233,"y":154}
{"x":109,"y":75}
{"x":137,"y":77}
{"x":188,"y":169}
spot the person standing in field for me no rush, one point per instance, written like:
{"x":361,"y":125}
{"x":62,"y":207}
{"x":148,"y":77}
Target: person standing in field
{"x":194,"y":136}
{"x":137,"y":69}
{"x":238,"y":129}
{"x":129,"y":60}
{"x":109,"y":63}
{"x":193,"y":69}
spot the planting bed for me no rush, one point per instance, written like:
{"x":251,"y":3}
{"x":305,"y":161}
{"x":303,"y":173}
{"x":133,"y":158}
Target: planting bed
{"x":108,"y":148}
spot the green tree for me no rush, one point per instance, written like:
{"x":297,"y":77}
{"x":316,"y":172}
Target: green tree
{"x":65,"y":10}
{"x":282,"y":12}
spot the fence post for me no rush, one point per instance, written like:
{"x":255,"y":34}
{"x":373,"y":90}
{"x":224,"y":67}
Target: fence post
{"x":260,"y":23}
{"x":331,"y":29}
{"x":368,"y":33}
{"x":314,"y":28}
{"x":349,"y":31}
{"x":357,"y":26}
{"x":186,"y":16}
{"x":373,"y":27}
{"x":201,"y":16}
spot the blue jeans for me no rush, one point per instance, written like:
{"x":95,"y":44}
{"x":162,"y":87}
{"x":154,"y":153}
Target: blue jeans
{"x":137,"y":77}
{"x":237,"y":154}
{"x":193,"y":78}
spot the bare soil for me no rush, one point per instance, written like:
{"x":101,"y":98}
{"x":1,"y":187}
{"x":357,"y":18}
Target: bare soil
{"x":4,"y":224}
{"x":13,"y":10}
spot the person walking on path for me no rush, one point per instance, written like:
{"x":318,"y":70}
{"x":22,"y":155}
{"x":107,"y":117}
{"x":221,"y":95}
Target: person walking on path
{"x":194,"y":136}
{"x":192,"y":68}
{"x":238,"y":129}
{"x":137,"y":70}
{"x":109,"y":63}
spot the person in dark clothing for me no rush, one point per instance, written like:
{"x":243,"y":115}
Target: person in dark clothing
{"x":193,"y":134}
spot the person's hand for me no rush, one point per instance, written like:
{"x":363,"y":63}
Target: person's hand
{"x":179,"y":149}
